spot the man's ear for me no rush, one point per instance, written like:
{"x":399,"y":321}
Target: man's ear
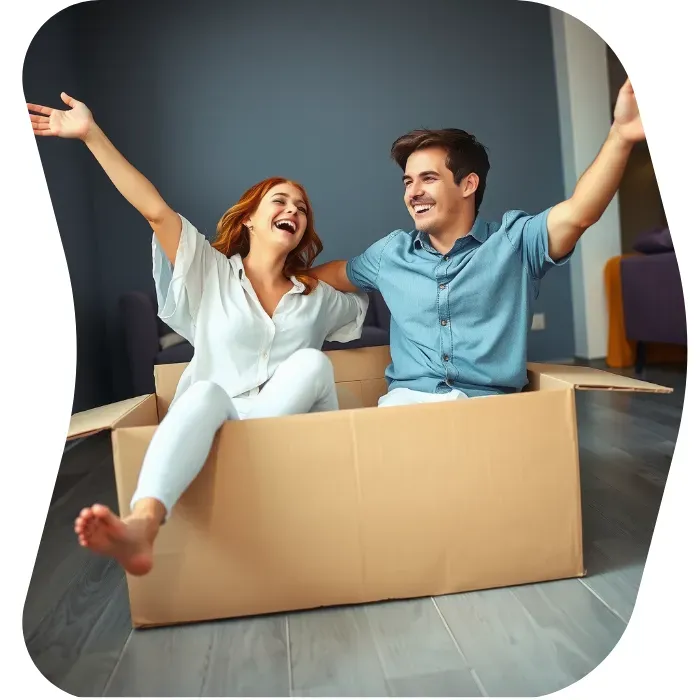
{"x":469,"y":185}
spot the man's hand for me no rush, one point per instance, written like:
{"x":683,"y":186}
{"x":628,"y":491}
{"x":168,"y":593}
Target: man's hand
{"x":596,"y":188}
{"x":627,"y":122}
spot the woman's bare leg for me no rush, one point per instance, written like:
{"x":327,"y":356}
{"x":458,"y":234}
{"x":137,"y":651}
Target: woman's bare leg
{"x":176,"y":455}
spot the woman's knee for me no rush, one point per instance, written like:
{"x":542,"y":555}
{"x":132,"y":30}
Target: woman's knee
{"x":314,"y":364}
{"x":205,"y":395}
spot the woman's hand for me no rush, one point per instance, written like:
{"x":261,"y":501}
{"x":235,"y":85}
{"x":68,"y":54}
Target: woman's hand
{"x":77,"y":123}
{"x":74,"y":123}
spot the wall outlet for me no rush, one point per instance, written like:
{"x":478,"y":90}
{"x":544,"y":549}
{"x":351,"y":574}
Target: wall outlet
{"x":538,"y":322}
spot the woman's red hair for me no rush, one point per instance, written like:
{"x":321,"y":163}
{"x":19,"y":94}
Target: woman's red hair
{"x":233,"y":237}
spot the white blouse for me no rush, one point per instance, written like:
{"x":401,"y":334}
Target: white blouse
{"x":207,"y":298}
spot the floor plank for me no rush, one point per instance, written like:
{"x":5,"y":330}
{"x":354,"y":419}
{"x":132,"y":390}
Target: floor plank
{"x":412,"y":639}
{"x":163,"y":662}
{"x":333,"y":653}
{"x":62,"y":637}
{"x":502,"y":644}
{"x":614,"y":571}
{"x":60,"y":560}
{"x":584,"y":630}
{"x":92,"y":670}
{"x":523,"y":642}
{"x":443,"y":684}
{"x":249,"y":659}
{"x":231,"y":658}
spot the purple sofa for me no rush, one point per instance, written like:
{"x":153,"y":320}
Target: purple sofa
{"x":149,"y":341}
{"x":652,"y":294}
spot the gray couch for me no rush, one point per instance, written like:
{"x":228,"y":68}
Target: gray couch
{"x":146,"y":337}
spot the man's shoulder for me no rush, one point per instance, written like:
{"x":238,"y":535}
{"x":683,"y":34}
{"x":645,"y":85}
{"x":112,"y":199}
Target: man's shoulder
{"x":513,"y":223}
{"x":399,"y":237}
{"x":509,"y":218}
{"x":393,"y":241}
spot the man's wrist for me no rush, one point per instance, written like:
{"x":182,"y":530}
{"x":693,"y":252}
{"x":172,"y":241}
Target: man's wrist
{"x":617,"y":138}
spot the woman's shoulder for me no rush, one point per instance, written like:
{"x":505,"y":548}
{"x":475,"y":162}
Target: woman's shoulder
{"x":235,"y":261}
{"x":319,"y":295}
{"x":329,"y":295}
{"x":192,"y":235}
{"x":325,"y":292}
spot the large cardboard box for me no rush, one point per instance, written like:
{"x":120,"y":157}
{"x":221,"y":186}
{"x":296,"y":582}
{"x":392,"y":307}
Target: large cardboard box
{"x":363,"y":504}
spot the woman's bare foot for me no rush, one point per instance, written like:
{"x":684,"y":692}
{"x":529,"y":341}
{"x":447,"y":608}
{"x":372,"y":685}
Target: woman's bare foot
{"x":129,"y":541}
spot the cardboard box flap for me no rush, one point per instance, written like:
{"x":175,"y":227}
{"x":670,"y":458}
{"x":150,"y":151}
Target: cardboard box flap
{"x":101,"y":418}
{"x":589,"y":378}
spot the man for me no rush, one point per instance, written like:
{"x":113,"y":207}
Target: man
{"x":460,"y":289}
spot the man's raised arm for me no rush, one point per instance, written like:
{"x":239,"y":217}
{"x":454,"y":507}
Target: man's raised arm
{"x":596,"y":188}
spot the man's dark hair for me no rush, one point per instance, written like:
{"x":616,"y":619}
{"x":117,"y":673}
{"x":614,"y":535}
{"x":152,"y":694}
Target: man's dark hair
{"x":465,"y":154}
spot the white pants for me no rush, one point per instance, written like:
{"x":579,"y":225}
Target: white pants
{"x":303,"y":383}
{"x":407,"y":397}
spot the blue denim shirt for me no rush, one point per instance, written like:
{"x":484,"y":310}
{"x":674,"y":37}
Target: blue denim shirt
{"x":461,"y":320}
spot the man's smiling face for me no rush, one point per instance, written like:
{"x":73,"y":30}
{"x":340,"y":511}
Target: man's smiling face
{"x":431,"y":195}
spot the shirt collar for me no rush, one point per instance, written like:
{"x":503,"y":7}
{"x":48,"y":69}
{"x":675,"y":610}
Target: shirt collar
{"x":479,"y":231}
{"x":298,"y":286}
{"x":237,"y":263}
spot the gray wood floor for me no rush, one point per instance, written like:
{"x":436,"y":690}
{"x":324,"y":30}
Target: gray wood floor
{"x":524,"y":641}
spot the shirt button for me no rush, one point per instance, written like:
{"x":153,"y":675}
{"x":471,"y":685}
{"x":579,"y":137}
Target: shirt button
{"x":448,"y":382}
{"x":442,"y":286}
{"x":447,"y":257}
{"x":445,"y":357}
{"x":443,"y":322}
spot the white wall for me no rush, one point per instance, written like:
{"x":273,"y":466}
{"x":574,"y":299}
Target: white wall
{"x":584,"y":114}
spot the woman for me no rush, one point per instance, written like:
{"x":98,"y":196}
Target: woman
{"x":256,"y":326}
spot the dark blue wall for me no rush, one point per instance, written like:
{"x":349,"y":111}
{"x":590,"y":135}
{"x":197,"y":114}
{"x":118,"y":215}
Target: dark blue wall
{"x":207,"y":98}
{"x":52,"y":64}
